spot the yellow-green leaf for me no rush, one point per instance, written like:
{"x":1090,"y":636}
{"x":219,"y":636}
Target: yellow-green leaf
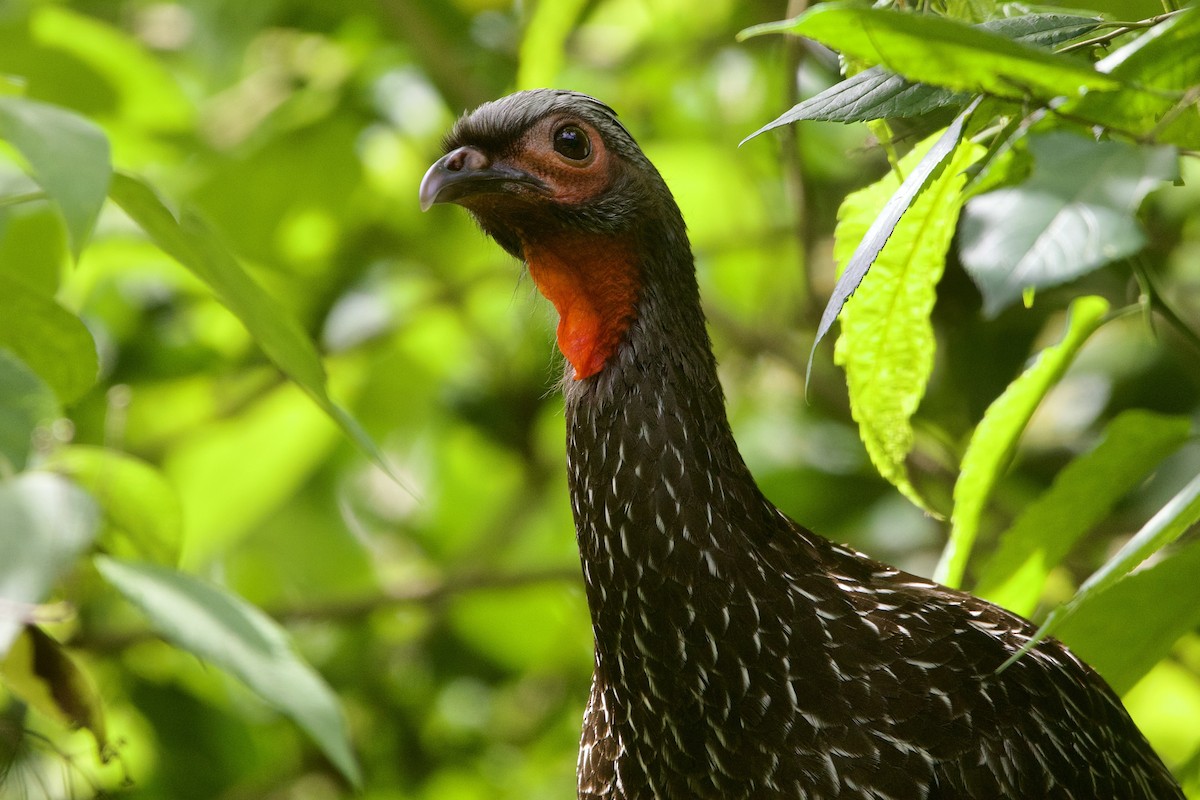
{"x":886,"y":344}
{"x":995,"y":438}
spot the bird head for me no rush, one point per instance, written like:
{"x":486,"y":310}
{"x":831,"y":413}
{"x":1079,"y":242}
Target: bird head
{"x":558,"y":182}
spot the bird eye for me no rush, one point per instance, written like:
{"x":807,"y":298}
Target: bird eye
{"x":571,"y":142}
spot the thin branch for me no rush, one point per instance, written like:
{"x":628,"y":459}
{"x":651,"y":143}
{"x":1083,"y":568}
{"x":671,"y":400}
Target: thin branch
{"x":18,"y":199}
{"x":1121,"y":29}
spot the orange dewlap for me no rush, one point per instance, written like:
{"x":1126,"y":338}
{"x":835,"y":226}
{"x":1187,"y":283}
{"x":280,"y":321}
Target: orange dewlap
{"x":592,"y":282}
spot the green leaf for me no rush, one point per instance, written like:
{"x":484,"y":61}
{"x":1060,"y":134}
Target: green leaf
{"x":1162,"y":71}
{"x":1083,"y":494}
{"x":189,"y":241}
{"x":872,"y":94}
{"x":224,"y":494}
{"x":228,"y":632}
{"x":45,"y":522}
{"x":43,"y":674}
{"x":1073,"y":214}
{"x":25,"y":402}
{"x":1152,"y":608}
{"x":68,"y":156}
{"x":136,"y":499}
{"x":50,"y":340}
{"x":876,"y":93}
{"x":1179,"y":514}
{"x":148,"y":94}
{"x":886,"y":345}
{"x":884,"y":217}
{"x":543,"y":45}
{"x":942,"y":52}
{"x":995,"y":438}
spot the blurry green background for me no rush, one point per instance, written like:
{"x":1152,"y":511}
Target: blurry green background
{"x":447,"y":613}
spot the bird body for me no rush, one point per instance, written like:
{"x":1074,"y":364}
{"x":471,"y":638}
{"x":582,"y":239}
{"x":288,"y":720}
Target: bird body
{"x":737,"y":654}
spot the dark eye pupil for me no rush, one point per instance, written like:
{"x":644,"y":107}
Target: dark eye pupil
{"x":572,"y":142}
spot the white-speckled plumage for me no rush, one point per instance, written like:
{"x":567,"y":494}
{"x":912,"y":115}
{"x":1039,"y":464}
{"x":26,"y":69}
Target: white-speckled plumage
{"x":738,"y":656}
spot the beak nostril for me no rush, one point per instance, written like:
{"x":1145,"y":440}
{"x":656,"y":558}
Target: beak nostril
{"x":457,"y":160}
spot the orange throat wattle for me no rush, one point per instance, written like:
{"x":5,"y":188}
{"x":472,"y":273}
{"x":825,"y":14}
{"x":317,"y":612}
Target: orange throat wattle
{"x":592,"y":282}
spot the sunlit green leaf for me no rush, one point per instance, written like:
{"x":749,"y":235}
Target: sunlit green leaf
{"x":68,"y":156}
{"x":941,"y":52}
{"x":45,"y":522}
{"x":136,"y":499}
{"x":237,"y":637}
{"x":1152,"y":608}
{"x":995,"y":438}
{"x":1172,"y":520}
{"x":886,"y":345}
{"x":1083,"y":494}
{"x":50,"y":340}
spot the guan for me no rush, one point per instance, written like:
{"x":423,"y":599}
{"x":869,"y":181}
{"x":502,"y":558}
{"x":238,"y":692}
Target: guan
{"x":739,"y":655}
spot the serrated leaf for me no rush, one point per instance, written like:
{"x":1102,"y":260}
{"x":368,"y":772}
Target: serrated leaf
{"x":68,"y":156}
{"x":942,"y":52}
{"x":886,"y":345}
{"x":1179,"y":514}
{"x":138,"y":502}
{"x":872,"y":242}
{"x":1083,"y":494}
{"x":45,"y":523}
{"x":995,"y":438}
{"x":874,"y":93}
{"x":1161,"y":70}
{"x":1073,"y":214}
{"x":189,"y":241}
{"x":877,"y":93}
{"x":48,"y":339}
{"x":42,"y":673}
{"x":233,"y":635}
{"x":25,"y":402}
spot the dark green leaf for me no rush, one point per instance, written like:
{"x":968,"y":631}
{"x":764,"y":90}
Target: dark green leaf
{"x":50,"y":340}
{"x":45,"y":522}
{"x":876,"y":93}
{"x":1073,"y":214}
{"x":237,"y":637}
{"x":942,"y":52}
{"x":67,"y":154}
{"x":1083,"y":494}
{"x":42,"y":673}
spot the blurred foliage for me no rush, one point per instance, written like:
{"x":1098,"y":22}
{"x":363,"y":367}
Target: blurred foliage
{"x":257,"y":379}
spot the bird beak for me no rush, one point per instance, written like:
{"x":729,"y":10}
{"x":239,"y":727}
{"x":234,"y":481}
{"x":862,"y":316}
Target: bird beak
{"x":465,"y":172}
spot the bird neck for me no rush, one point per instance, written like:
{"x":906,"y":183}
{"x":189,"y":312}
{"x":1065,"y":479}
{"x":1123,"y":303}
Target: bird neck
{"x":657,"y":482}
